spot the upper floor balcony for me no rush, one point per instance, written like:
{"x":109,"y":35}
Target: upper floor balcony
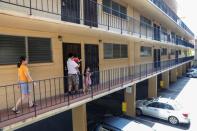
{"x":51,"y":94}
{"x":95,"y":15}
{"x":169,"y":12}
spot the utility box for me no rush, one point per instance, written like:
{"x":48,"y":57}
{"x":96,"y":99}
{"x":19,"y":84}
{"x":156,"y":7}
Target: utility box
{"x":162,"y":84}
{"x":124,"y":107}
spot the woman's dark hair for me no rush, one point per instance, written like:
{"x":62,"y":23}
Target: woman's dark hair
{"x":85,"y":70}
{"x":21,"y":59}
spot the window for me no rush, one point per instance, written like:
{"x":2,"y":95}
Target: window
{"x":145,"y":51}
{"x":144,"y":21}
{"x":114,"y":8}
{"x":164,"y":51}
{"x":179,"y":52}
{"x":124,"y":51}
{"x":168,"y":107}
{"x":113,"y":51}
{"x":39,"y":50}
{"x":11,"y":48}
{"x":107,"y":6}
{"x":154,"y":105}
{"x":116,"y":51}
{"x":108,"y":51}
{"x":173,"y":51}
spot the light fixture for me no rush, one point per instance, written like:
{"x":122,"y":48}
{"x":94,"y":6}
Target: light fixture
{"x":60,"y":38}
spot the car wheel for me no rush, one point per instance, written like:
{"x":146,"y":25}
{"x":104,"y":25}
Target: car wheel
{"x":190,"y":76}
{"x":138,"y":112}
{"x":173,"y":120}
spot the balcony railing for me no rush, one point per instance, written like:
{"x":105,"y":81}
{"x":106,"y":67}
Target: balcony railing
{"x":94,"y":15}
{"x":164,"y":7}
{"x":50,"y":94}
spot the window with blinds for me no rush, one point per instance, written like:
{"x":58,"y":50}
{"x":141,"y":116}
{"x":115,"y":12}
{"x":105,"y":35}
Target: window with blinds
{"x":145,"y":51}
{"x":115,"y":51}
{"x":114,"y":8}
{"x":39,"y":50}
{"x":11,"y":48}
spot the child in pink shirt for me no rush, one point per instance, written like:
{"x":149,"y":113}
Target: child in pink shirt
{"x":87,"y":79}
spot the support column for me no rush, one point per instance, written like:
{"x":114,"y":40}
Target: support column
{"x":130,"y":99}
{"x":152,"y":87}
{"x":179,"y":70}
{"x":165,"y":79}
{"x":173,"y":74}
{"x":184,"y":68}
{"x":79,"y":118}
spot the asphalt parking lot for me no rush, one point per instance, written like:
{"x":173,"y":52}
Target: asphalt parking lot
{"x":185,"y":92}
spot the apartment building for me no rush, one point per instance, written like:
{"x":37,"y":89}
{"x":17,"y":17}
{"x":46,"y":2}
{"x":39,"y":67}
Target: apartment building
{"x":123,"y":42}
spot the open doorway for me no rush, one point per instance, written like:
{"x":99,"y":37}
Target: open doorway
{"x":92,"y":60}
{"x":74,"y":48}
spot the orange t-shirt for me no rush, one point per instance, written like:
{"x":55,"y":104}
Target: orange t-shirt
{"x":22,"y":71}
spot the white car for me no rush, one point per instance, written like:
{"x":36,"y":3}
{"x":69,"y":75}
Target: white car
{"x":192,"y":73}
{"x":163,"y":108}
{"x":122,"y":124}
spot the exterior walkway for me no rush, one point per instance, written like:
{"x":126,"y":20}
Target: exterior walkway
{"x":55,"y":98}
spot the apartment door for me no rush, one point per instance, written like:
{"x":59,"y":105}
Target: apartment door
{"x":176,"y":56}
{"x":76,"y":50}
{"x":70,"y":11}
{"x":90,"y":13}
{"x":157,"y":58}
{"x":156,"y":32}
{"x":92,"y":60}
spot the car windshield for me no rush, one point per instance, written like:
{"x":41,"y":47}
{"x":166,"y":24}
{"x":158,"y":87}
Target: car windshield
{"x":148,"y":100}
{"x":177,"y":105}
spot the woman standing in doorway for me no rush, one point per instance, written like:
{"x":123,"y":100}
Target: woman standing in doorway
{"x":23,"y":79}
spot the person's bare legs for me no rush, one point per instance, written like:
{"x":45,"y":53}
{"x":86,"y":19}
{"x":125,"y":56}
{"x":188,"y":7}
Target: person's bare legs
{"x":19,"y":101}
{"x":30,"y":101}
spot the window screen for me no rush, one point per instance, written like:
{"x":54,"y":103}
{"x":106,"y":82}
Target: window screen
{"x":107,"y":6}
{"x":39,"y":50}
{"x":116,"y":51}
{"x":124,"y":51}
{"x":108,"y":51}
{"x":145,"y":51}
{"x":115,"y":9}
{"x":164,"y":51}
{"x":113,"y":51}
{"x":123,"y":11}
{"x":11,"y":48}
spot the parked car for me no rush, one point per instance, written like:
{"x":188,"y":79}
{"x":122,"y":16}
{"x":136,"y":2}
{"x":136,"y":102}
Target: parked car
{"x":192,"y":73}
{"x":192,"y":69}
{"x":163,"y":108}
{"x":121,"y":124}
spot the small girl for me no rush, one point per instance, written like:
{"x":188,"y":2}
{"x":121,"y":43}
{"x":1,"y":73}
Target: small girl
{"x":87,"y":79}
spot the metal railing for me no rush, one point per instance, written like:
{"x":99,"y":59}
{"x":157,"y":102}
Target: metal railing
{"x":164,"y":7}
{"x":50,"y":94}
{"x":95,"y":15}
